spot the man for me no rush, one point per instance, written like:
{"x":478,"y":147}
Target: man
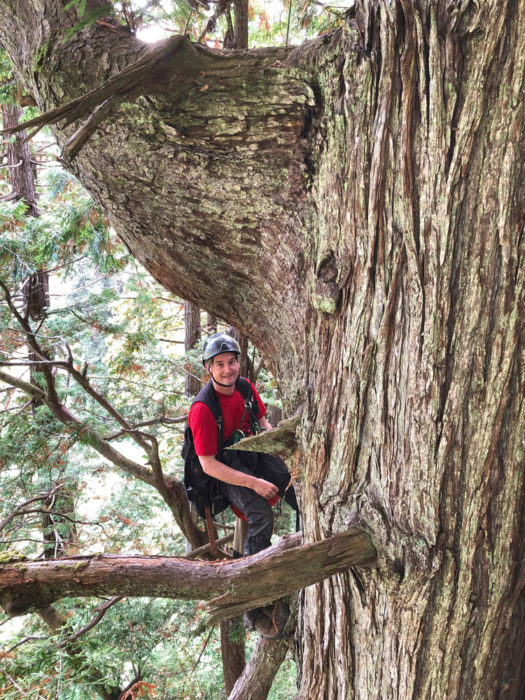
{"x":251,"y":482}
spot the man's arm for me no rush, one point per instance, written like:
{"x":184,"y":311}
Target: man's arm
{"x":222,"y":472}
{"x":263,"y":423}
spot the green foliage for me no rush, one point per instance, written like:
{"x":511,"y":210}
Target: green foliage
{"x":7,"y":79}
{"x":141,"y":631}
{"x":272,"y":24}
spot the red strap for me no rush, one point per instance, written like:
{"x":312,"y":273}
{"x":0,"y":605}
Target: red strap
{"x":240,"y":514}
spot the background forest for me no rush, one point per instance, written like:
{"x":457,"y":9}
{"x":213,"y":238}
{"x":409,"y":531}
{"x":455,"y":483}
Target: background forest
{"x":117,"y":345}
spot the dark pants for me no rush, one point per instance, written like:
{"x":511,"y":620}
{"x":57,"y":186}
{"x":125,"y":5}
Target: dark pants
{"x":257,"y":510}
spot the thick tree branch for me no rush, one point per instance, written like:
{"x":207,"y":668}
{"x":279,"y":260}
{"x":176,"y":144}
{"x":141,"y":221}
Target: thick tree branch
{"x":176,"y":57}
{"x":231,"y":587}
{"x":119,"y":85}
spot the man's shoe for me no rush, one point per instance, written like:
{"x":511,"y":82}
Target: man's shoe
{"x":271,"y":620}
{"x":250,"y":616}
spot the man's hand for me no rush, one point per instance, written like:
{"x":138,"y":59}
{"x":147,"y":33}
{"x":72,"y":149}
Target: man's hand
{"x":265,"y":489}
{"x":232,"y":476}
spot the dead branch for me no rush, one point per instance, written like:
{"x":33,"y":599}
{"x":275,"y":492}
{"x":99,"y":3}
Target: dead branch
{"x":200,"y":551}
{"x":231,"y":586}
{"x":101,"y":611}
{"x":25,"y":640}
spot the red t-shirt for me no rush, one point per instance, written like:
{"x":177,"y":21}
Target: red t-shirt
{"x":204,"y":426}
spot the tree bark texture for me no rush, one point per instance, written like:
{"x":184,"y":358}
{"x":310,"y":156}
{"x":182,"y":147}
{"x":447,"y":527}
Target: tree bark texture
{"x":231,"y":586}
{"x":21,"y":170}
{"x":355,"y":206}
{"x":257,"y":678}
{"x":232,"y":651}
{"x":192,"y":334}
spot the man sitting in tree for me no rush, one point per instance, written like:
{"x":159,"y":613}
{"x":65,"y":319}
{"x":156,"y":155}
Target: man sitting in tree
{"x":251,"y":482}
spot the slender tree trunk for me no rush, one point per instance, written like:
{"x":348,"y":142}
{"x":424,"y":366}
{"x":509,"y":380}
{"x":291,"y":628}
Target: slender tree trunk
{"x":241,"y":8}
{"x":21,"y":169}
{"x":22,"y":174}
{"x":232,"y":651}
{"x":58,"y":532}
{"x":247,"y":368}
{"x":211,"y":323}
{"x":192,"y":334}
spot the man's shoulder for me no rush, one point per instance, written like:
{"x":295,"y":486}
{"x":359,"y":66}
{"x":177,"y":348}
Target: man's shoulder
{"x":205,"y":395}
{"x":203,"y":404}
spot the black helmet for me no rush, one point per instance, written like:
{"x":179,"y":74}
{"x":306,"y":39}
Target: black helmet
{"x":217,"y":344}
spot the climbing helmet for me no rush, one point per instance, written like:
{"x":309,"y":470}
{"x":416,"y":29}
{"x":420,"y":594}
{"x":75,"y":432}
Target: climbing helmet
{"x":217,"y":344}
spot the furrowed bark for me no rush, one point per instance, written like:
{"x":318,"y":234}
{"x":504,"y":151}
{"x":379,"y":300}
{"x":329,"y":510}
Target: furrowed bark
{"x":192,"y":334}
{"x":421,"y":280}
{"x":257,"y":678}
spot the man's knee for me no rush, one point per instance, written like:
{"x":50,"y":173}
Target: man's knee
{"x":260,"y":516}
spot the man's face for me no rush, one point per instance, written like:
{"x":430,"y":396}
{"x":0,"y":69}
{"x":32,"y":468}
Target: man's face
{"x":224,"y":368}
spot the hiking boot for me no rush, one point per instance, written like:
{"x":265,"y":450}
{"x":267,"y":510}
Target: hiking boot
{"x":256,"y":544}
{"x":269,"y":621}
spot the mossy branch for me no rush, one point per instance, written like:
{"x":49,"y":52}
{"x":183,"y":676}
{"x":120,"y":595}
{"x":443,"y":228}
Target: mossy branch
{"x":281,"y":440}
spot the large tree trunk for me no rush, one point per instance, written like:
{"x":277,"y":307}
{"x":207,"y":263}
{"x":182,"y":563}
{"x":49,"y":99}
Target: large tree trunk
{"x":353,"y":206}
